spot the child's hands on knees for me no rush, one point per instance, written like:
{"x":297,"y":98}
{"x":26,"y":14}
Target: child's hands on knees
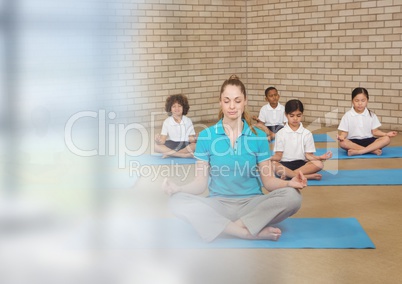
{"x":392,"y":134}
{"x":340,"y":138}
{"x":326,"y":156}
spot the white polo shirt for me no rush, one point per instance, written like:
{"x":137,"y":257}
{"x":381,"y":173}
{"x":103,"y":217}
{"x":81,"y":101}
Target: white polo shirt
{"x":359,"y":125}
{"x":294,"y":144}
{"x":272,"y":116}
{"x":178,"y":131}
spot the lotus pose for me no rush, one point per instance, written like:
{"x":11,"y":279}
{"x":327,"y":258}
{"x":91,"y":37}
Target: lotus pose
{"x":233,"y":163}
{"x":359,"y":133}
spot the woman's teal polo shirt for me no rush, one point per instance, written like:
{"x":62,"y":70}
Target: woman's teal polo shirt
{"x":233,"y":170}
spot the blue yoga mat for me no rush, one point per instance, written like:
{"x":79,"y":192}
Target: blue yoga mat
{"x":322,"y":138}
{"x":359,"y":177}
{"x":158,"y":160}
{"x":337,"y":154}
{"x":340,"y":154}
{"x":172,"y":233}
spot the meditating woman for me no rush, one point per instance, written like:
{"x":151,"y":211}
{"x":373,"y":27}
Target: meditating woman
{"x":233,"y":163}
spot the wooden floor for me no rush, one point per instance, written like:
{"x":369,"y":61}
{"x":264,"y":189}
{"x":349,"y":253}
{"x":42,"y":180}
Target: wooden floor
{"x":377,"y":208}
{"x":61,"y":257}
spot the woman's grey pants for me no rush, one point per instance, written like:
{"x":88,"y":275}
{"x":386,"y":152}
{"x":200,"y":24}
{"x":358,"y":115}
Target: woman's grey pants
{"x":210,"y":215}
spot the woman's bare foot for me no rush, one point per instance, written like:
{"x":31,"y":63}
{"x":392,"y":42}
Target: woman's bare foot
{"x":238,"y":229}
{"x":269,"y":233}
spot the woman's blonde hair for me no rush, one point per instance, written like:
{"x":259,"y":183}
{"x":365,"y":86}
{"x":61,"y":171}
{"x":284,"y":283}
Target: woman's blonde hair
{"x":235,"y":81}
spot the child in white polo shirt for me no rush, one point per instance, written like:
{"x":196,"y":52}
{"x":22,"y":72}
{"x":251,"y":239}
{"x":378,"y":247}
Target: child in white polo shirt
{"x":294,"y":147}
{"x":359,"y":133}
{"x":272,"y":115}
{"x":177,"y":138}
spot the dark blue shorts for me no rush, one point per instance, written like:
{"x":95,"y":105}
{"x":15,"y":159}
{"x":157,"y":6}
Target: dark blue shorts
{"x":176,"y":145}
{"x":293,"y":165}
{"x":363,"y":142}
{"x":275,"y":128}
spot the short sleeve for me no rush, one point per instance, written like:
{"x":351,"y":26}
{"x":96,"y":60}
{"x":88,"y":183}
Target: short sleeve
{"x":376,"y":122}
{"x":190,"y":128}
{"x":343,"y":125}
{"x":165,"y":127}
{"x":262,"y":152}
{"x":261,"y":115}
{"x":202,"y":148}
{"x":309,"y":146}
{"x":279,"y":145}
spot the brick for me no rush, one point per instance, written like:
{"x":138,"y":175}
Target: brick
{"x":312,"y":49}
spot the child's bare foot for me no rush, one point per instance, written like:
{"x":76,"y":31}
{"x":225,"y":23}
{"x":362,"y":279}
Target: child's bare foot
{"x":353,"y":152}
{"x":314,"y":176}
{"x":378,"y":152}
{"x":178,"y":154}
{"x":269,"y":233}
{"x":188,"y":155}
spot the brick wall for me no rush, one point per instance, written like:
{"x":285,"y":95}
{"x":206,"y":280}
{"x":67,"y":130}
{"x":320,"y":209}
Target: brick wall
{"x":314,"y":50}
{"x":320,"y":50}
{"x":179,"y":47}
